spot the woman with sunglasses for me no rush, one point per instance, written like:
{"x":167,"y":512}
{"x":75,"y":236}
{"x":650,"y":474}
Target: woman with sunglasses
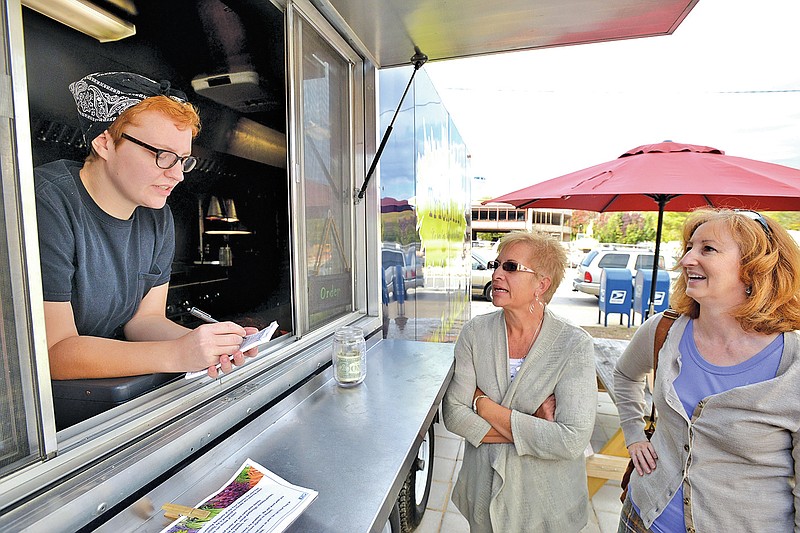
{"x":727,"y":390}
{"x":523,"y":396}
{"x":107,"y":238}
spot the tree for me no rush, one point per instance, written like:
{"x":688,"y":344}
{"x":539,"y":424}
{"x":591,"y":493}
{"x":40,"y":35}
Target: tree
{"x":635,"y":227}
{"x":625,"y":228}
{"x":580,"y":221}
{"x":787,"y":219}
{"x":608,"y":227}
{"x":672,"y":227}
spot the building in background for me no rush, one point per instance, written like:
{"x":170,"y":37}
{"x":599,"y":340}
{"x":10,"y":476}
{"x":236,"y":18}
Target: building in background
{"x":498,"y":218}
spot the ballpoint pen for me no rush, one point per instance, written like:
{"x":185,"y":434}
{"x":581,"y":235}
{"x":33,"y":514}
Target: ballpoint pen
{"x":202,"y":315}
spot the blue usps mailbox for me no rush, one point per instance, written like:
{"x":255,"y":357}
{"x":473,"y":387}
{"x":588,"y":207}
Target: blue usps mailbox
{"x":616,"y":287}
{"x":641,"y":292}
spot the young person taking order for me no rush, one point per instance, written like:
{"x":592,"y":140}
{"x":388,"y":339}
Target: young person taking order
{"x":107,"y":238}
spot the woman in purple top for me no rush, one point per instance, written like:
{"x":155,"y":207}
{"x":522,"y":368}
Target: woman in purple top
{"x":727,"y":391}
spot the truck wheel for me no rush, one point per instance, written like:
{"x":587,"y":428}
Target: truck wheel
{"x":487,"y":292}
{"x":417,"y":489}
{"x":393,"y":523}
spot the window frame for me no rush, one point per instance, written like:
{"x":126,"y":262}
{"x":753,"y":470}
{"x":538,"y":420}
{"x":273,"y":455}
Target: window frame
{"x":22,"y":239}
{"x":302,"y":11}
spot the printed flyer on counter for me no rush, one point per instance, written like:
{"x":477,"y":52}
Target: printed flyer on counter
{"x":254,"y":500}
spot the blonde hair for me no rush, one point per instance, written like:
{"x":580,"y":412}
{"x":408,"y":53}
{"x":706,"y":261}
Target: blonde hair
{"x":184,"y":115}
{"x":550,"y":256}
{"x":770,"y":268}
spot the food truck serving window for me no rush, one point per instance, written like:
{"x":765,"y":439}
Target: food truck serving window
{"x":266,"y":229}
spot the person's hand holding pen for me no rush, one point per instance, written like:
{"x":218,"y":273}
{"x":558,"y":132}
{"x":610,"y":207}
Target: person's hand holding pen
{"x":217,"y":343}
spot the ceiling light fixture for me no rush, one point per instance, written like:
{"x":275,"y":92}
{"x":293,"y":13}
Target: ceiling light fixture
{"x":85,"y":17}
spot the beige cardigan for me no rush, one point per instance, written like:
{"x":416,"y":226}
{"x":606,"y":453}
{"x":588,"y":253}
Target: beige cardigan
{"x":739,"y":451}
{"x":539,"y":482}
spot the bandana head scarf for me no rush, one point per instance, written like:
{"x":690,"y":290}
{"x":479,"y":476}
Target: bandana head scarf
{"x":103,"y":96}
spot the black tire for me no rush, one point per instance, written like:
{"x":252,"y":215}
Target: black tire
{"x":414,"y":495}
{"x":393,"y":523}
{"x":487,"y":292}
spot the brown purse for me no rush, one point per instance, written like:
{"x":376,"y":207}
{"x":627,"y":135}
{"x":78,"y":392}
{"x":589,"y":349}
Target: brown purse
{"x":650,"y":424}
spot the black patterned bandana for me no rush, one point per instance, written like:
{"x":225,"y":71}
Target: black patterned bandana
{"x":103,"y":96}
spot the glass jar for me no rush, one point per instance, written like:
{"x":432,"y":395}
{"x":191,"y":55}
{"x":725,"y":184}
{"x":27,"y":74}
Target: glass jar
{"x":349,"y":356}
{"x":225,"y":256}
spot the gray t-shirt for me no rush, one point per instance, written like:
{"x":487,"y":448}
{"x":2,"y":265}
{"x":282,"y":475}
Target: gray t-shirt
{"x":102,"y":265}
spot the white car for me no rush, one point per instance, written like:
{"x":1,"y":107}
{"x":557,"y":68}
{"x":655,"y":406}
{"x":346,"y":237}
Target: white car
{"x":587,"y":278}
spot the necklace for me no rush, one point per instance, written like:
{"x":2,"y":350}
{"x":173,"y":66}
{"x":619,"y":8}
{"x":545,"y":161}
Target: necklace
{"x":536,"y":333}
{"x":533,"y":339}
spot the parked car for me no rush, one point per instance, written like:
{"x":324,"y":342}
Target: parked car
{"x":405,"y":263}
{"x":587,"y":278}
{"x":481,"y":274}
{"x":394,"y":268}
{"x":415,"y":266}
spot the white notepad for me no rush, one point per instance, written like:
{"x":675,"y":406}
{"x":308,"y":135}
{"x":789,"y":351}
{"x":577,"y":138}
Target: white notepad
{"x":251,"y":341}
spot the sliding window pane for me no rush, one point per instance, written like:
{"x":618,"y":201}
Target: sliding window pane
{"x":13,"y":432}
{"x":328,"y":180}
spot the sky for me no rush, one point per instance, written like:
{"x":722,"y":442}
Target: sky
{"x":727,"y":78}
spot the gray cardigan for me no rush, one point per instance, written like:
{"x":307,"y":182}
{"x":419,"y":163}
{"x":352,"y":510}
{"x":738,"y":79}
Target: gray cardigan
{"x":538,"y":483}
{"x":738,"y":451}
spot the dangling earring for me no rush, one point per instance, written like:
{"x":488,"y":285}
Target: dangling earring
{"x":748,"y":291}
{"x":536,"y":301}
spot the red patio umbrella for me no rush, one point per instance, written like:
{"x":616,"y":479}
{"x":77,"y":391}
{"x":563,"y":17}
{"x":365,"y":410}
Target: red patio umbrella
{"x":667,"y":176}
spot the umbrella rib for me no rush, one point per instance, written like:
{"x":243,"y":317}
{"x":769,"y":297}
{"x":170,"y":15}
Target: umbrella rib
{"x":613,"y":199}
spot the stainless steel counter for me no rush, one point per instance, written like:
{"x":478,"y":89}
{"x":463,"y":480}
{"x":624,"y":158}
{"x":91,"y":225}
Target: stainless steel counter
{"x":606,"y":354}
{"x":354,"y":446}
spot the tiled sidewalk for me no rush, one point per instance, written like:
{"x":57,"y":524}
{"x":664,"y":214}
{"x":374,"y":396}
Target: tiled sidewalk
{"x":442,"y":517}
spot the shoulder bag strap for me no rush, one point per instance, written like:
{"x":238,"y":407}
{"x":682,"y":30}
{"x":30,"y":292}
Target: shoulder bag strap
{"x":667,"y":319}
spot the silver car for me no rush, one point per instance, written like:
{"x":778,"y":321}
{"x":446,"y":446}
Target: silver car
{"x":634,"y":259}
{"x":481,"y":274}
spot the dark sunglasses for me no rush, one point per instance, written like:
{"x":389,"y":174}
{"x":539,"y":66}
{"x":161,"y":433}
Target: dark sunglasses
{"x":510,"y":266}
{"x":754,"y":215}
{"x":165,"y":158}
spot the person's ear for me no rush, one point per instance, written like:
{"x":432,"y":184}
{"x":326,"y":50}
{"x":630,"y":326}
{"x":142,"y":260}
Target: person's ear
{"x":544,"y":284}
{"x":102,"y":144}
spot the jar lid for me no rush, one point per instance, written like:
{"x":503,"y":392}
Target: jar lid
{"x":349,"y":332}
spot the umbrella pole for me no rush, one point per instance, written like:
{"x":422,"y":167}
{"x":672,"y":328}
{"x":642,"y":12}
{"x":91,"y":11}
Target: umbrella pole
{"x":662,"y":201}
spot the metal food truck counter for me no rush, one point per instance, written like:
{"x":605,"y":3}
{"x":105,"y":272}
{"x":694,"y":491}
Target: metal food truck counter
{"x":354,"y":446}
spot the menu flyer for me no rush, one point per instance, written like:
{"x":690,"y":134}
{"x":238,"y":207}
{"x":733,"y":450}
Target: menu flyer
{"x":254,"y":500}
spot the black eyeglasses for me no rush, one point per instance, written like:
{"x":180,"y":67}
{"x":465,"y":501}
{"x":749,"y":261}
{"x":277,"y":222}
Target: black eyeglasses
{"x":510,"y":266}
{"x":164,"y":158}
{"x":754,"y":215}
